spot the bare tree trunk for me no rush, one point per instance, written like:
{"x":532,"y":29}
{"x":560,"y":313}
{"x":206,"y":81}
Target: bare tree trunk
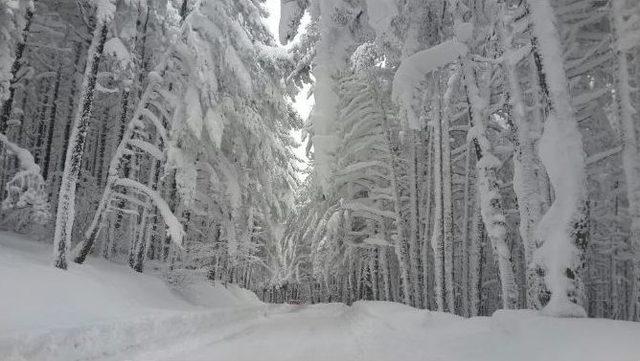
{"x":487,"y":166}
{"x":66,"y":201}
{"x":437,"y":235}
{"x":7,"y":104}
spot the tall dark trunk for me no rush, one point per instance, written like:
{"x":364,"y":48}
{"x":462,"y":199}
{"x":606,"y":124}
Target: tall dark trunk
{"x":52,"y":124}
{"x":142,"y":244}
{"x":70,"y":108}
{"x":66,"y":202}
{"x":41,"y":123}
{"x":119,"y":218}
{"x":7,"y":105}
{"x":102,"y":151}
{"x":184,"y":8}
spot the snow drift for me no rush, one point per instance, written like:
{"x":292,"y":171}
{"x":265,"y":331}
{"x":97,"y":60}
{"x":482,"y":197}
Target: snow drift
{"x":100,"y":307}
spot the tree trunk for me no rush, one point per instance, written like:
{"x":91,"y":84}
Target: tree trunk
{"x":487,"y":166}
{"x":437,"y":235}
{"x":563,"y":227}
{"x":7,"y":104}
{"x":66,"y":201}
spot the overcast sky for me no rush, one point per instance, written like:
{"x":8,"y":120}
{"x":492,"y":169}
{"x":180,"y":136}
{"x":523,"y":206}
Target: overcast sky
{"x":272,"y":21}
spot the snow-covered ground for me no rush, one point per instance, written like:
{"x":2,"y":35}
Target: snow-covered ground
{"x":376,"y":331}
{"x":105,"y":312}
{"x":99,"y":308}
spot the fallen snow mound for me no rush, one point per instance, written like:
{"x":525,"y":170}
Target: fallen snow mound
{"x":98,"y":305}
{"x":522,"y":335}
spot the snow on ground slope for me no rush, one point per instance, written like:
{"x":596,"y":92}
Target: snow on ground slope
{"x":377,"y":331}
{"x":104,"y":312}
{"x":47,"y":313}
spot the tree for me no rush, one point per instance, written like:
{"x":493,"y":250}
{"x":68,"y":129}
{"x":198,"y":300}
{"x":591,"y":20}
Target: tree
{"x":65,"y":214}
{"x":563,"y":227}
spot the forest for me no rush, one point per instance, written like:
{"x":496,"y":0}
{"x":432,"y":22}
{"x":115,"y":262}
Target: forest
{"x":460,"y":156}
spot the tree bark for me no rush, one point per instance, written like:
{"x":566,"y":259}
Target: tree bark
{"x":66,"y":201}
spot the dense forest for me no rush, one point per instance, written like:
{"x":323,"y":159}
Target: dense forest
{"x":463,"y":155}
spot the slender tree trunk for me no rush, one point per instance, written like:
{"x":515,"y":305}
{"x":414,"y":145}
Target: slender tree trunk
{"x":66,"y":201}
{"x":142,"y":244}
{"x":447,"y":204}
{"x":526,"y":170}
{"x":414,"y":251}
{"x":400,"y":245}
{"x":437,"y":235}
{"x":487,"y":166}
{"x":475,"y":259}
{"x":52,"y":124}
{"x":466,"y":220}
{"x":424,"y":255}
{"x":7,"y":104}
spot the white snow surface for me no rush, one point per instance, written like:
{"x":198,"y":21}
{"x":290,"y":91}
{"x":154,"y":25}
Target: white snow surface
{"x":413,"y":69}
{"x":118,"y":50}
{"x":99,"y":308}
{"x":381,"y":13}
{"x":376,"y":331}
{"x":101,"y":311}
{"x":25,"y":158}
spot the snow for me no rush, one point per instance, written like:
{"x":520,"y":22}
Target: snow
{"x":118,"y":50}
{"x":380,"y":13}
{"x":186,"y":175}
{"x":102,"y":311}
{"x":413,"y":69}
{"x":562,"y":154}
{"x":100,"y":307}
{"x":105,"y":10}
{"x":332,"y":55}
{"x":377,"y":331}
{"x":557,"y":251}
{"x":174,"y":227}
{"x":193,"y":111}
{"x":236,"y":65}
{"x":25,"y":189}
{"x":463,"y":31}
{"x":290,"y":15}
{"x":233,"y":189}
{"x":215,"y":126}
{"x":25,"y":157}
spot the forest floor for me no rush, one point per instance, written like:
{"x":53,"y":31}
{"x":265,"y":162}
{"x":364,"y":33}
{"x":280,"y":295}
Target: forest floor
{"x":105,"y":312}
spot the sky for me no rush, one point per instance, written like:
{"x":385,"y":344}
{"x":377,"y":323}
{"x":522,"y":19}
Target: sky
{"x":302,"y":103}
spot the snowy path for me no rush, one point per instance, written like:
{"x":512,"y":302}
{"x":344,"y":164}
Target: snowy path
{"x":310,"y":333}
{"x":377,"y":331}
{"x":104,"y":312}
